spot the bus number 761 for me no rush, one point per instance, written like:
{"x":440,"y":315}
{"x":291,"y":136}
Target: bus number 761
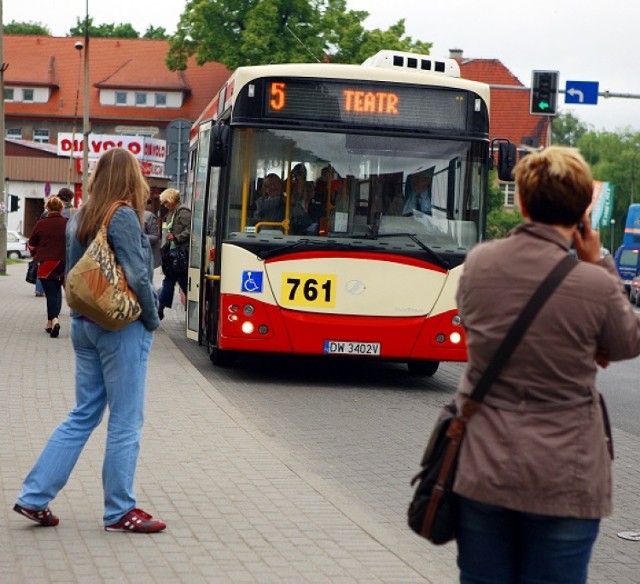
{"x":308,"y":290}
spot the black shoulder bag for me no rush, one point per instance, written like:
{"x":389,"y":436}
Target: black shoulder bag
{"x":432,"y":512}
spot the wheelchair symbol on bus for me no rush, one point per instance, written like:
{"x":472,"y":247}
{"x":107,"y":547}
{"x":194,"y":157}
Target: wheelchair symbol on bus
{"x":251,"y":281}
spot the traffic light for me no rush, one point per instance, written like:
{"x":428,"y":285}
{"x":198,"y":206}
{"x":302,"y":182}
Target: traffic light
{"x":544,"y":93}
{"x":14,"y":203}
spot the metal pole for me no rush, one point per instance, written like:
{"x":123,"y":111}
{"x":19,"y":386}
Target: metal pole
{"x":4,"y":199}
{"x":613,"y":227}
{"x":179,"y":162}
{"x":85,"y":118}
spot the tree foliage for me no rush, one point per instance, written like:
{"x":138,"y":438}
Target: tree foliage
{"x":500,"y":219}
{"x":120,"y":31}
{"x":31,"y":28}
{"x":153,"y":32}
{"x":567,"y":129}
{"x":254,"y":32}
{"x":615,"y":158}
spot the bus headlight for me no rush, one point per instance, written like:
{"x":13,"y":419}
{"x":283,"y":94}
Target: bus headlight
{"x":455,"y":338}
{"x":247,"y":327}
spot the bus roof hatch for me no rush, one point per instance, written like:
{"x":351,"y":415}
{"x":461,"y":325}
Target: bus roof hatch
{"x":408,"y":61}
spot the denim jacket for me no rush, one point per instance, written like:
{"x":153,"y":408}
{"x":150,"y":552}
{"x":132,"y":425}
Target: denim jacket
{"x":133,"y":252}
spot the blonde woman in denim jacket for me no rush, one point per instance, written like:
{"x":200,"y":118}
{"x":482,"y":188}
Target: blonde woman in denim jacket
{"x":111,"y":367}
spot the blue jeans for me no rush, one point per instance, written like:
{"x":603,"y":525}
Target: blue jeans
{"x":111,"y":370}
{"x":500,"y":546}
{"x":165,"y":297}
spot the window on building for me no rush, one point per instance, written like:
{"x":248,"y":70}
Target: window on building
{"x":41,"y":135}
{"x":121,"y":98}
{"x":8,"y":93}
{"x":161,"y":100}
{"x":27,"y":95}
{"x":509,"y":193}
{"x":141,"y":98}
{"x":15,"y":133}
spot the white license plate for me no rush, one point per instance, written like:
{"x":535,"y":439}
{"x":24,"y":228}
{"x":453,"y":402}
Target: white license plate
{"x":351,"y":348}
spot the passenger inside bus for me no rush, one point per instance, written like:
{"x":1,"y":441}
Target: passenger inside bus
{"x":301,"y":194}
{"x":418,"y":196}
{"x":325,"y":189}
{"x":270,"y":207}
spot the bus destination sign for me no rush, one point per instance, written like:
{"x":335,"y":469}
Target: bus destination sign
{"x":362,"y":103}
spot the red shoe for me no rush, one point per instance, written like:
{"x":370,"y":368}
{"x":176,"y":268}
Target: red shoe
{"x":43,"y":517}
{"x":137,"y":521}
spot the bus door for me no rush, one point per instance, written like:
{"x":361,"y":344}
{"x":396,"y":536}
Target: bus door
{"x":198,"y":225}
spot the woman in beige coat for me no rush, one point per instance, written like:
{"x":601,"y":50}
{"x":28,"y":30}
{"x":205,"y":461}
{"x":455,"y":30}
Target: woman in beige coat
{"x":534,"y":474}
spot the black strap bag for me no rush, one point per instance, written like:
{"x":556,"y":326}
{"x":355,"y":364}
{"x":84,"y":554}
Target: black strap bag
{"x":174,"y":262}
{"x":32,"y":272}
{"x":432,"y":511}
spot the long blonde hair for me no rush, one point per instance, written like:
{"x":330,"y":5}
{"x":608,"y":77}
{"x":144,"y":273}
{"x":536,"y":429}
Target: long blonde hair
{"x":117,"y":177}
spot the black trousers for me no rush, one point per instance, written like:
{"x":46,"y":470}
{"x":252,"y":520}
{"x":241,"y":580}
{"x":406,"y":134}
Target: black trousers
{"x":53,"y":292}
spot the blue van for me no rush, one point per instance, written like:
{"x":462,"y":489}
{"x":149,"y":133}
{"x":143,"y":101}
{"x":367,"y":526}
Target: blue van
{"x":626,"y":259}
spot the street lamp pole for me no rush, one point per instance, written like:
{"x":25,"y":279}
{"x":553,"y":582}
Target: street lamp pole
{"x":85,"y":117}
{"x":613,"y":227}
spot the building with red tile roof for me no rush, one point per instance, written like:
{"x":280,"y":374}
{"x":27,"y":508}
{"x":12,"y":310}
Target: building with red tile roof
{"x":131,"y":92}
{"x":129,"y":85}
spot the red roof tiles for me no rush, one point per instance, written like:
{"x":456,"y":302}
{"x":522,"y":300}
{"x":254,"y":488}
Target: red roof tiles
{"x":37,"y":61}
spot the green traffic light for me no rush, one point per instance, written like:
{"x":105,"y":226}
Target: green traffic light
{"x":544,"y":93}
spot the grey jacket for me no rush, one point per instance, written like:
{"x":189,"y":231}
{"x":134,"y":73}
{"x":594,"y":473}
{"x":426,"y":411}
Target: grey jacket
{"x":133,"y":252}
{"x":537,"y":444}
{"x":150,"y":229}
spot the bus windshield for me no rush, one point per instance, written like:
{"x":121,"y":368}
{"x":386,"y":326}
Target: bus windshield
{"x":300,"y":184}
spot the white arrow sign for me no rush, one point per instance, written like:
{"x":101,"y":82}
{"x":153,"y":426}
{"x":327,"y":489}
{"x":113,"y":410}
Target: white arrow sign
{"x":573,"y":92}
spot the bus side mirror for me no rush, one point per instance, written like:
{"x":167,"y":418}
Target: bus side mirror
{"x":507,"y":158}
{"x":219,"y":145}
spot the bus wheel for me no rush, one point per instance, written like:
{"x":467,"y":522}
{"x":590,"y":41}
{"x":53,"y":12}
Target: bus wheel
{"x":427,"y":368}
{"x":222,"y":358}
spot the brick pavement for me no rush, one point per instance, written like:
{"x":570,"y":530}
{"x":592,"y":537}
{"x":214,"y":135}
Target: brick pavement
{"x":240,"y":507}
{"x":236,"y":510}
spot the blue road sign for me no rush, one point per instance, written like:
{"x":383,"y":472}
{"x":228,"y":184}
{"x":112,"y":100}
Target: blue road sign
{"x":583,"y":92}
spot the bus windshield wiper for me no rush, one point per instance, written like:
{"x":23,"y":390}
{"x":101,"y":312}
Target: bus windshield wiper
{"x":263,"y":255}
{"x":437,"y":259}
{"x":329,"y":242}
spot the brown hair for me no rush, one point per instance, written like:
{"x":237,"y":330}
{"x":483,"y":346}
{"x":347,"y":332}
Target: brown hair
{"x":117,"y":177}
{"x":66,"y":194}
{"x":54,"y":205}
{"x":555,"y":185}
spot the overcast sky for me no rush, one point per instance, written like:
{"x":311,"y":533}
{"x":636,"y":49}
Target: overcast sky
{"x":584,"y":41}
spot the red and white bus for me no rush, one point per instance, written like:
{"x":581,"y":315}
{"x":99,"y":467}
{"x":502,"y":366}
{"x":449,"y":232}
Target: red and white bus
{"x":346,"y":262}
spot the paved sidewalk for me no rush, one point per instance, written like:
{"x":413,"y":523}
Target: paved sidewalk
{"x":237,"y":511}
{"x":240,"y":508}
